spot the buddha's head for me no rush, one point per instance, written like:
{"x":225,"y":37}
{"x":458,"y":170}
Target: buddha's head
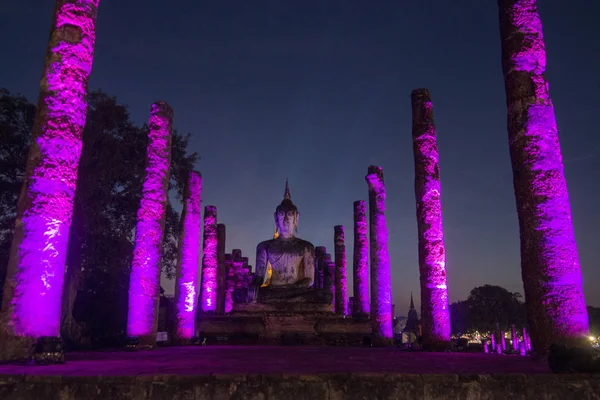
{"x":287,"y":215}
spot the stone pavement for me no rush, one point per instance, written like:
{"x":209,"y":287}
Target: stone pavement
{"x":218,"y":360}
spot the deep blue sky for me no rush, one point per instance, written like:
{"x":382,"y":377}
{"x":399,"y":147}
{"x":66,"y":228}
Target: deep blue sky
{"x":317,"y":90}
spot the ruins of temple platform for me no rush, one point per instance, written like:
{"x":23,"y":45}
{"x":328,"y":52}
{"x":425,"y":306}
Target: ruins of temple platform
{"x":291,"y":372}
{"x":271,"y":324}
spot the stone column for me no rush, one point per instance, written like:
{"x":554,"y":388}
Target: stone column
{"x":435,"y":315}
{"x":36,"y":268}
{"x":221,"y":271}
{"x":320,"y":251}
{"x":229,"y":283}
{"x":208,"y":293}
{"x":144,"y":281}
{"x":381,"y":285}
{"x":515,"y":340}
{"x":186,"y":283}
{"x":341,"y":286}
{"x":526,"y":340}
{"x":361,"y":260}
{"x":329,"y":277}
{"x":556,"y":309}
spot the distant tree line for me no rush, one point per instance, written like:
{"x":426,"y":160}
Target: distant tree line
{"x":491,"y":307}
{"x":108,"y":194}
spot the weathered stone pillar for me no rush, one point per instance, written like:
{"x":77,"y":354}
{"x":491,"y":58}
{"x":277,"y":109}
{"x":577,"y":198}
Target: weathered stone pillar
{"x":556,"y":309}
{"x":229,"y":283}
{"x":360,"y":260}
{"x":221,"y":270}
{"x":144,"y":281}
{"x":35,"y":275}
{"x":526,"y":340}
{"x":329,"y":277}
{"x":186,"y":283}
{"x":208,"y":293}
{"x":381,"y":285}
{"x":341,"y":286}
{"x":435,"y":315}
{"x":515,"y":339}
{"x":320,"y":251}
{"x":239,"y":274}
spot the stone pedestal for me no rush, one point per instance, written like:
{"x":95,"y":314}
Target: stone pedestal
{"x":283,"y":323}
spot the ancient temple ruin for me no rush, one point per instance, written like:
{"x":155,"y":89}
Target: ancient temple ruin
{"x":298,"y":292}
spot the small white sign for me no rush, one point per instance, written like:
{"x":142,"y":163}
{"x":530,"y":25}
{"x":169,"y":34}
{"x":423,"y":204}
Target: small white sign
{"x":162,"y":337}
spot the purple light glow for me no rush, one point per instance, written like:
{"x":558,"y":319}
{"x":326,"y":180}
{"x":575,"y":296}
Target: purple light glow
{"x":361,"y":259}
{"x":522,"y":349}
{"x":35,"y":275}
{"x":381,"y":286}
{"x":435,"y":313}
{"x":208,"y":295}
{"x":144,"y":284}
{"x":515,"y":339}
{"x":186,"y":286}
{"x":549,"y":261}
{"x":526,"y":340}
{"x":341,"y":286}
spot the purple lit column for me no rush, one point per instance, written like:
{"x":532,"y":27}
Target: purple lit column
{"x":515,"y":339}
{"x":361,"y":260}
{"x":381,"y":285}
{"x":221,"y":270}
{"x":341,"y":286}
{"x":552,"y":279}
{"x":229,"y":283}
{"x":435,"y":315}
{"x":144,"y":282}
{"x":35,"y":274}
{"x":208,"y":293}
{"x":186,"y":284}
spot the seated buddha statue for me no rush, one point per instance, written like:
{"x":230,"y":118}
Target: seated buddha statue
{"x":291,"y":261}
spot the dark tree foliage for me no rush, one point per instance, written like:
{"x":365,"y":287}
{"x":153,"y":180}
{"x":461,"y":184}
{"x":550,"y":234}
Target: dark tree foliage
{"x":16,"y":120}
{"x":488,"y":307}
{"x":108,"y":194}
{"x":594,"y":318}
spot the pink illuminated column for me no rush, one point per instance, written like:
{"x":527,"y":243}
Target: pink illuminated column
{"x":35,"y":274}
{"x":552,"y":279}
{"x":381,"y":285}
{"x":341,"y":286}
{"x":361,"y":260}
{"x":144,"y":282}
{"x":221,"y":270}
{"x":208,"y":293}
{"x":186,"y":284}
{"x":435,"y":315}
{"x":229,"y":284}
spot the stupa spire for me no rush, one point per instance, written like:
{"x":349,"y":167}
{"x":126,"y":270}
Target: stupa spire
{"x":286,"y":194}
{"x":412,"y":303}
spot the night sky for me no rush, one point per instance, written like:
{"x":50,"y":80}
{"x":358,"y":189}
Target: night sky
{"x":318,"y":90}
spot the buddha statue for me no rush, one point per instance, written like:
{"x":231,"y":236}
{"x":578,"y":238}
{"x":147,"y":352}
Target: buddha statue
{"x":289,"y":259}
